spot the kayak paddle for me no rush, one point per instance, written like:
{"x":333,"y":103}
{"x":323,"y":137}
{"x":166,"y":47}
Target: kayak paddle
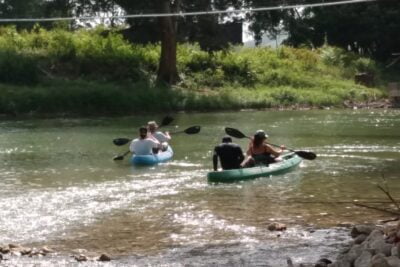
{"x":190,"y":130}
{"x":123,"y":141}
{"x":303,"y":154}
{"x":121,"y":157}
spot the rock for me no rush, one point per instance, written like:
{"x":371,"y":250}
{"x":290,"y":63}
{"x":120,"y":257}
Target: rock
{"x":13,"y":246}
{"x":80,"y":257}
{"x":361,"y":229}
{"x":394,"y":251}
{"x":398,"y":249}
{"x":380,"y":246}
{"x":379,"y":261}
{"x":4,"y":249}
{"x":363,"y":260}
{"x":25,"y":251}
{"x":344,"y":262}
{"x":322,"y":263}
{"x":35,"y":252}
{"x":277,"y":227}
{"x":354,"y":253}
{"x":104,"y":257}
{"x":45,"y":250}
{"x":289,"y":262}
{"x":393,"y":261}
{"x":375,"y":235}
{"x":360,"y":238}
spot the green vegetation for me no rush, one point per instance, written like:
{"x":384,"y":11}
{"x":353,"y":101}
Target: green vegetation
{"x":98,"y":72}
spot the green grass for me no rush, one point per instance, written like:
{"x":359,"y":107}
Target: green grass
{"x":92,"y":72}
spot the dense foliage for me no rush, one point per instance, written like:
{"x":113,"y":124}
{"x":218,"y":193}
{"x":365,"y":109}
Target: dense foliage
{"x":97,"y":71}
{"x":370,"y":29}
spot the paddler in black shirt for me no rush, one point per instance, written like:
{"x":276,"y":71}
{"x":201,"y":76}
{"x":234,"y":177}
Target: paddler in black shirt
{"x":230,"y":155}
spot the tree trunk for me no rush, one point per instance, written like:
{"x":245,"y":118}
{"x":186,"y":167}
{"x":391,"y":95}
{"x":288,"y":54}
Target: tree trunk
{"x":167,"y":70}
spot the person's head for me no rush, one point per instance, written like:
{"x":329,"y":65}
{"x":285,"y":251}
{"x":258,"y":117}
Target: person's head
{"x":259,"y":137}
{"x":226,"y":139}
{"x":143,"y":132}
{"x":152,"y":126}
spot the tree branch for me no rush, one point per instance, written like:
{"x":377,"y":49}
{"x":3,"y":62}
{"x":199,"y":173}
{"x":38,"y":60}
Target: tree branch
{"x":376,"y":208}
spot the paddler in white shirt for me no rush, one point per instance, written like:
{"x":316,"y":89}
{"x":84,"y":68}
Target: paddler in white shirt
{"x":144,"y":145}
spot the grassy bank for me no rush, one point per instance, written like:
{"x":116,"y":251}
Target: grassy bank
{"x":98,"y":72}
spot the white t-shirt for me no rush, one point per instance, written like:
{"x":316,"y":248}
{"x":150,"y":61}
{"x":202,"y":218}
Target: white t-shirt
{"x":161,"y":137}
{"x":143,"y":146}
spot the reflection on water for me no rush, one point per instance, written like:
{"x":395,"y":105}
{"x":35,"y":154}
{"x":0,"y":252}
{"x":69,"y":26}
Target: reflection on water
{"x":60,"y":187}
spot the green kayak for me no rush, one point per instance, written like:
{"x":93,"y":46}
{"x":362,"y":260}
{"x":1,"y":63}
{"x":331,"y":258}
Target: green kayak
{"x":289,"y":162}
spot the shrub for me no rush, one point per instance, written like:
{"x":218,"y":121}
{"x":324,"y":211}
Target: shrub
{"x":18,"y":69}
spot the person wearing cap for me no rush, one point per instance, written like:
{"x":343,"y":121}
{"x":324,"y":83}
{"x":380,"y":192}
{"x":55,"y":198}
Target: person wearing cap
{"x":143,"y":145}
{"x":229,"y":154}
{"x":260,"y":152}
{"x":162,"y":138}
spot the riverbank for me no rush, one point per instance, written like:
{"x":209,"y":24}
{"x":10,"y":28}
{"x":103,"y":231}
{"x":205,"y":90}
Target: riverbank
{"x":97,"y":72}
{"x":74,"y":99}
{"x":371,"y":245}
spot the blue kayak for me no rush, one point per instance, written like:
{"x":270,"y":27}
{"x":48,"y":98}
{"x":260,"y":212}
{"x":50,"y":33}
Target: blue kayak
{"x":153,"y":159}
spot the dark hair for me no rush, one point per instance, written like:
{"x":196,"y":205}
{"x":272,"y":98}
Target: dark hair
{"x":226,"y":139}
{"x":142,"y":129}
{"x":258,"y":140}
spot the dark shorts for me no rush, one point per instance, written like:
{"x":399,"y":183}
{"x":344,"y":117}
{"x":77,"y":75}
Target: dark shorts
{"x":263,"y":159}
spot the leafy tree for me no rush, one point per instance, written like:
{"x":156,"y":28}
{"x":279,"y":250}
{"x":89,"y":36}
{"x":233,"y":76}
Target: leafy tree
{"x":20,"y":9}
{"x":370,"y":29}
{"x":168,"y":26}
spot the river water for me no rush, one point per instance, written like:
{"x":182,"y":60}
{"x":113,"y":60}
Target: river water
{"x":60,"y":187}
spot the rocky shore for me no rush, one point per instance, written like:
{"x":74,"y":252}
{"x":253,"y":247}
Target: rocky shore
{"x":372,"y":246}
{"x":15,"y":250}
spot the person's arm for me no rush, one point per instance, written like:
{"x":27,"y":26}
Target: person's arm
{"x":167,"y":136}
{"x":240,"y":154}
{"x":156,"y":144}
{"x":274,"y":151}
{"x":132,"y":146}
{"x":248,"y":152}
{"x":215,"y":160}
{"x":163,"y":137}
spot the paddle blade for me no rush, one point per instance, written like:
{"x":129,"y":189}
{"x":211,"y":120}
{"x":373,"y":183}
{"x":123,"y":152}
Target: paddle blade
{"x":306,"y":155}
{"x":192,"y":130}
{"x":120,"y":157}
{"x":121,"y":141}
{"x":234,"y":132}
{"x":167,"y":120}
